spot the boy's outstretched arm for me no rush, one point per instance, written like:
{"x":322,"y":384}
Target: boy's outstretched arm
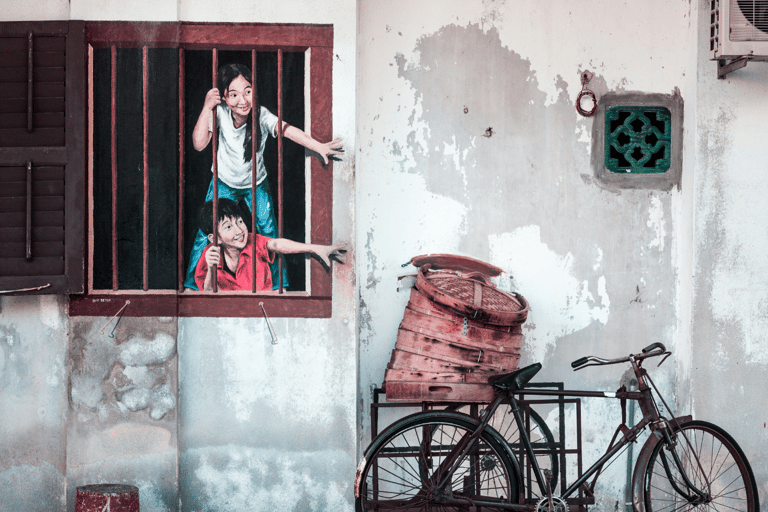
{"x":325,"y":150}
{"x":324,"y":252}
{"x":200,"y":135}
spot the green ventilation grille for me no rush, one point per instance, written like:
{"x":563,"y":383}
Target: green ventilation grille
{"x":638,"y":139}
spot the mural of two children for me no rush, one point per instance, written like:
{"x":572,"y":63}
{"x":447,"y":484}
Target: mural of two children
{"x":232,"y":102}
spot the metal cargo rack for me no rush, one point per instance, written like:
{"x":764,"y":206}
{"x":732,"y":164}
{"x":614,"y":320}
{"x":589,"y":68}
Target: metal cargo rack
{"x":559,"y":449}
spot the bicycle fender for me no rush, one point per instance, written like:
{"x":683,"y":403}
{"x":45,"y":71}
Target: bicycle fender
{"x":638,"y":501}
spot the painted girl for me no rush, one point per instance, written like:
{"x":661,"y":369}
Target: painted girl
{"x":234,"y":154}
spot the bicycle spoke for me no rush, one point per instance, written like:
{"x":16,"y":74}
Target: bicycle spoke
{"x":730,"y":492}
{"x":405,"y":470}
{"x":723,"y":506}
{"x":400,"y":481}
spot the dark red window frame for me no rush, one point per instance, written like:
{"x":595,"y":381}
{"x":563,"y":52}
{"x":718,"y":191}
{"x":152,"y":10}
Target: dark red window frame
{"x":318,"y":39}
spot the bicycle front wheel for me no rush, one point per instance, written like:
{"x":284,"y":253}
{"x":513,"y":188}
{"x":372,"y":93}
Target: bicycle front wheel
{"x":414,"y":465}
{"x":711,"y":462}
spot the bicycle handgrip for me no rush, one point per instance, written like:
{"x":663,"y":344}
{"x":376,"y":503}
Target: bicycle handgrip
{"x":654,"y":346}
{"x":579,"y":362}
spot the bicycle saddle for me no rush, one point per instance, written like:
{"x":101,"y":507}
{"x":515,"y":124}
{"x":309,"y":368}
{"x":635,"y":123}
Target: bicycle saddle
{"x":517,"y":379}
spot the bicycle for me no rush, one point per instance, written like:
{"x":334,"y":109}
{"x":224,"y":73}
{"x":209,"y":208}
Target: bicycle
{"x":450,"y":461}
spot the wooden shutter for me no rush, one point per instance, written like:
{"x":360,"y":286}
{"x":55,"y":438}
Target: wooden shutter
{"x":42,"y":156}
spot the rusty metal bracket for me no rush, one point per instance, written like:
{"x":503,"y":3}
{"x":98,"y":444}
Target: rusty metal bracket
{"x":724,"y":67}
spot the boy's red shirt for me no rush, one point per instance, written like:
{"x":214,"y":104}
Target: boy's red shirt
{"x":242,"y":279}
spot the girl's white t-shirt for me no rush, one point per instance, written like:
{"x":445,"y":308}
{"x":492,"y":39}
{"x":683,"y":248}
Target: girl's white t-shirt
{"x":233,"y":170}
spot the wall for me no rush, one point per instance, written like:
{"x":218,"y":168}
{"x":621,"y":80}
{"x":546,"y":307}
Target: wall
{"x":469,"y":142}
{"x":200,"y":414}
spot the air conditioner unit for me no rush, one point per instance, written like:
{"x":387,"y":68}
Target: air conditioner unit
{"x":738,"y":31}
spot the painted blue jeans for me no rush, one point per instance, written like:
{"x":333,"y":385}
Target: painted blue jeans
{"x":266,"y":225}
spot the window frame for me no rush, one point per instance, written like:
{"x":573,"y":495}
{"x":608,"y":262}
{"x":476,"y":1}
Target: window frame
{"x":317,"y":42}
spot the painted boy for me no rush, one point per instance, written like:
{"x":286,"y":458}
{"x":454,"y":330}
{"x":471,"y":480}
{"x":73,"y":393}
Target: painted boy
{"x":236,"y":248}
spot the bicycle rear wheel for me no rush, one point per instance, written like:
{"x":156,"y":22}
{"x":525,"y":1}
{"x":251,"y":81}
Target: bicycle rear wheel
{"x":542,"y":441}
{"x":407,"y":466}
{"x":712,"y":462}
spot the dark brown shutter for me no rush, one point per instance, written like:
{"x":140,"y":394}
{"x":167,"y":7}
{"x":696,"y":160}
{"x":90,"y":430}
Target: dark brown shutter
{"x":42,"y":156}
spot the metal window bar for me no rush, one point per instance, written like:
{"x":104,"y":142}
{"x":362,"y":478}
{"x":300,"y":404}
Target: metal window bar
{"x":113,"y":147}
{"x":214,"y":142}
{"x":280,"y":161}
{"x":145,"y":165}
{"x":180,"y":233}
{"x":255,"y":125}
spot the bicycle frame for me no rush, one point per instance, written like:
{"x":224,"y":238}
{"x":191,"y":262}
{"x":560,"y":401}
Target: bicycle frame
{"x":652,"y":418}
{"x":629,"y":434}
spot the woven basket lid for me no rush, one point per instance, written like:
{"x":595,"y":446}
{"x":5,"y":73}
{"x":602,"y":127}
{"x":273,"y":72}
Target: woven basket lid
{"x":455,"y":262}
{"x":472,"y":295}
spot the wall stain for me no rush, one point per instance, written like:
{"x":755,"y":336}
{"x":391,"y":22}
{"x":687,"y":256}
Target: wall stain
{"x":113,"y":377}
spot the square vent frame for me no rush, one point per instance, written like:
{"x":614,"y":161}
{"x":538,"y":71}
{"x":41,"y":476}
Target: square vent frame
{"x":612,"y":180}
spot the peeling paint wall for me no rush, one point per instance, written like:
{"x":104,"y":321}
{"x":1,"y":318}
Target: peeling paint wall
{"x":263,"y":425}
{"x":123,"y":420}
{"x":33,"y":403}
{"x":469,"y":142}
{"x":730,"y":354}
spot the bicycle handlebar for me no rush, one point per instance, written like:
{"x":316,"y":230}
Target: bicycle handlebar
{"x":653,"y":350}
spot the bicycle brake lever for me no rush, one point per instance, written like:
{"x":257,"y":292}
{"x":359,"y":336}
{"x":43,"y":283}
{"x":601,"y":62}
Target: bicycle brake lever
{"x":664,"y":359}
